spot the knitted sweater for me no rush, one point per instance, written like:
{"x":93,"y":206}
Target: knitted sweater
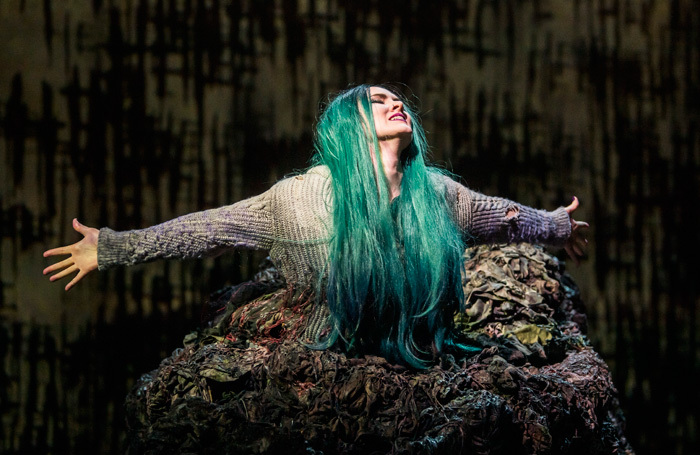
{"x":293,"y":220}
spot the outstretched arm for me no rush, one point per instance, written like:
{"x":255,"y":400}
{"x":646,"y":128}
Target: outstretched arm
{"x":496,"y":220}
{"x":82,"y":259}
{"x":246,"y":224}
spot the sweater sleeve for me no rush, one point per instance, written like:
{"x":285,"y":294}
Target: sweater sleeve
{"x":496,"y":220}
{"x":245,"y":224}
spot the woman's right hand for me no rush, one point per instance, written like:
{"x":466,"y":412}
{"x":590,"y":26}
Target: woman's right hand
{"x":83,"y":256}
{"x":577,"y":243}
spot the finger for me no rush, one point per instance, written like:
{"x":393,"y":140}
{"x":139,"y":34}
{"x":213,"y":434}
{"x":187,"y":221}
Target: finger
{"x":75,"y":280}
{"x":57,"y":251}
{"x":577,"y":249}
{"x":63,"y":273}
{"x":573,"y":206}
{"x":82,"y":229}
{"x":571,"y":254}
{"x":583,"y":244}
{"x":59,"y":265}
{"x":579,"y":240}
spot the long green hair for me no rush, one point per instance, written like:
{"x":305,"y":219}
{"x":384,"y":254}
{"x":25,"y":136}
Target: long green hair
{"x":393,"y":280}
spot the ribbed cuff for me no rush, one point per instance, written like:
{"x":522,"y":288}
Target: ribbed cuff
{"x":562,"y":226}
{"x":111,"y":248}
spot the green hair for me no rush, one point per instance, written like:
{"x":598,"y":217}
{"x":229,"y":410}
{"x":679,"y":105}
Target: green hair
{"x":393,"y":282}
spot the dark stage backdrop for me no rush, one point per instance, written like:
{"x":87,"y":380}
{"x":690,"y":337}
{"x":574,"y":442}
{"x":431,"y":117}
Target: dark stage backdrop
{"x":128,"y":113}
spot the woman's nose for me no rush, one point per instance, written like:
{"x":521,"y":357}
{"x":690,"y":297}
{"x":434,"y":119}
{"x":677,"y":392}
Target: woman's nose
{"x":398,"y":105}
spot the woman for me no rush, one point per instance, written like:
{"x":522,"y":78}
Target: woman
{"x":370,"y":226}
{"x":370,"y":241}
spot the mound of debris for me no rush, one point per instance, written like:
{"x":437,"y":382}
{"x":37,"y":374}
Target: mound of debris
{"x":248,"y":384}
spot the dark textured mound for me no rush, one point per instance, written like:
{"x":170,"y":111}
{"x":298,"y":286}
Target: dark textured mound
{"x":247,"y":385}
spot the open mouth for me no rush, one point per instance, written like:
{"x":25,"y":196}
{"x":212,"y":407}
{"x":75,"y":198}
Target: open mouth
{"x":399,"y":117}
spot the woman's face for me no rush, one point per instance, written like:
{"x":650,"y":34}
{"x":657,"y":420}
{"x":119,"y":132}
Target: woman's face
{"x":390,"y":119}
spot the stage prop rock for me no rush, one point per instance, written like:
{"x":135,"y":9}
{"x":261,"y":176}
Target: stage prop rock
{"x":245,"y":384}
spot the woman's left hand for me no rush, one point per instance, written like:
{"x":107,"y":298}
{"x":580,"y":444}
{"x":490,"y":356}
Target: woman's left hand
{"x":576,"y":244}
